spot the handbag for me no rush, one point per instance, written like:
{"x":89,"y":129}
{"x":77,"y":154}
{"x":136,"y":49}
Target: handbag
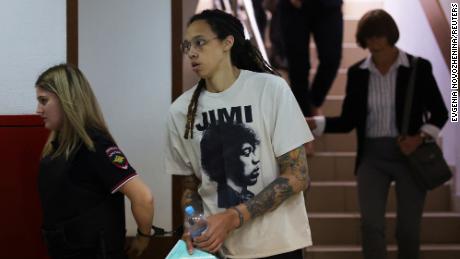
{"x":429,"y":169}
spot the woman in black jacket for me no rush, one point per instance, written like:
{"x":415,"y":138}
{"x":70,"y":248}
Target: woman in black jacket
{"x":84,"y":176}
{"x":374,"y":104}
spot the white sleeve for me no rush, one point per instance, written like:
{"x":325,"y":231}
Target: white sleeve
{"x":431,"y":130}
{"x":290,"y":129}
{"x":320,"y":125}
{"x":176,"y":161}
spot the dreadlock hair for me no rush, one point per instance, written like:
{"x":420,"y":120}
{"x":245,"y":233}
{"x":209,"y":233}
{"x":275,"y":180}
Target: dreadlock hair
{"x":243,"y":54}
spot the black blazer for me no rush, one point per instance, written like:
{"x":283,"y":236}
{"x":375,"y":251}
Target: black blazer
{"x":427,"y":101}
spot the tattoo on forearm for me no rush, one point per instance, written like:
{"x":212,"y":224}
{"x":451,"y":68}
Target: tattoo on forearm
{"x":270,"y":197}
{"x":293,"y":163}
{"x":190,"y":194}
{"x":190,"y":182}
{"x":191,"y":197}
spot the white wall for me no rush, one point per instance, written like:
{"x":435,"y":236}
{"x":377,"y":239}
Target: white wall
{"x":417,"y":38}
{"x":32,"y":38}
{"x":125,"y":51}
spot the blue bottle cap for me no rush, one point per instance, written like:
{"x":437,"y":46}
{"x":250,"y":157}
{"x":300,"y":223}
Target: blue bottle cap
{"x":189,"y":210}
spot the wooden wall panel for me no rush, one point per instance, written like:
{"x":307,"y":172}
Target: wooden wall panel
{"x":21,"y":142}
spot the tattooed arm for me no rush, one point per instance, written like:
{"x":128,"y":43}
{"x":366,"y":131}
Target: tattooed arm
{"x":293,"y":179}
{"x":190,"y":191}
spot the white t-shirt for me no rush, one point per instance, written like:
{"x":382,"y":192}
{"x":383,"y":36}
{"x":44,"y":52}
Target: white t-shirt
{"x":237,"y":136}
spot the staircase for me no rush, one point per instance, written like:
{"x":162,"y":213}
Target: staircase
{"x":332,"y":200}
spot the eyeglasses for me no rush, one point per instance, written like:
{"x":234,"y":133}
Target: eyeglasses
{"x":197,"y":43}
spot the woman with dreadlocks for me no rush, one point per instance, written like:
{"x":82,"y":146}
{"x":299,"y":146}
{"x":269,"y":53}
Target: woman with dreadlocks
{"x":237,"y":87}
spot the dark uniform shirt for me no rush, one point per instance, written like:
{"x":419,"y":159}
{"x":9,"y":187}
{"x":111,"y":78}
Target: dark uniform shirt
{"x":70,"y":188}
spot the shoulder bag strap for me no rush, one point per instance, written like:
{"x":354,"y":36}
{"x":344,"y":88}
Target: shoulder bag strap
{"x":409,"y":97}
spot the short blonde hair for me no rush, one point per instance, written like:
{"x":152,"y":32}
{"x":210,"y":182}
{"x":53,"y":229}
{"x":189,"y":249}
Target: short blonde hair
{"x":80,"y":107}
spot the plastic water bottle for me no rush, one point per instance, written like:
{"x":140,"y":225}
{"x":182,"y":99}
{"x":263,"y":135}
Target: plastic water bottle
{"x":195,"y":221}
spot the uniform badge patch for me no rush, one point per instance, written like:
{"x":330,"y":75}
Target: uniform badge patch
{"x":117,"y":157}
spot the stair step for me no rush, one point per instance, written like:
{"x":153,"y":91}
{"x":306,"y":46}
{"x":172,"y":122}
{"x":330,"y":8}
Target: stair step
{"x":337,"y":142}
{"x":427,"y":251}
{"x":342,"y":197}
{"x":437,"y":228}
{"x":332,"y":106}
{"x":350,"y":25}
{"x":331,"y":166}
{"x":357,"y":8}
